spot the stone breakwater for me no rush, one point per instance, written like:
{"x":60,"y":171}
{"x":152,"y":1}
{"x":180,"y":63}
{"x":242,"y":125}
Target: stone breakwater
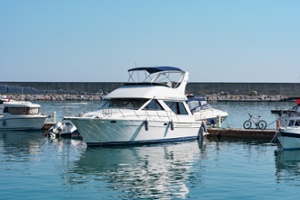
{"x":55,"y":97}
{"x":99,"y":97}
{"x":268,"y":98}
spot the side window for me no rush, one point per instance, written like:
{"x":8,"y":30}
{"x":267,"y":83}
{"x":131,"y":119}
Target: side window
{"x":173,"y":107}
{"x":124,"y":103}
{"x":177,"y":107}
{"x":182,"y":110}
{"x":5,"y":110}
{"x":153,"y":105}
{"x":33,"y":111}
{"x":17,"y":111}
{"x":297,"y":123}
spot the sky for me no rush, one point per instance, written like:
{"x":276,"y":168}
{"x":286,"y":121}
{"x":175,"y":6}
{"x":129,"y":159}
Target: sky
{"x":99,"y":40}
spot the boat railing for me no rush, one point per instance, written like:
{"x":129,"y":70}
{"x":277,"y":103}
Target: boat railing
{"x":72,"y":110}
{"x":107,"y":112}
{"x":149,"y":115}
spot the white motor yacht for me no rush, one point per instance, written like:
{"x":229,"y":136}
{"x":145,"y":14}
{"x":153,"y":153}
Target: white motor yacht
{"x":2,"y":100}
{"x":288,"y":127}
{"x":21,"y":115}
{"x":202,"y":110}
{"x":149,"y":111}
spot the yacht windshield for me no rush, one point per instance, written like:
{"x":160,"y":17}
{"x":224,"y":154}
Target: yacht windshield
{"x":171,"y":78}
{"x":134,"y":104}
{"x":198,"y":105}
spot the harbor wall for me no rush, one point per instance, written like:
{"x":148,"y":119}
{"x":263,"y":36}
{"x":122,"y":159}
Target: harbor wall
{"x":207,"y":88}
{"x":284,"y":89}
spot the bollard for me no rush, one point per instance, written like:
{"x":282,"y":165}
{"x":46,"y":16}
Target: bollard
{"x":53,"y":116}
{"x":219,"y":121}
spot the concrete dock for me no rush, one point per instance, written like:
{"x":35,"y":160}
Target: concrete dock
{"x":48,"y":125}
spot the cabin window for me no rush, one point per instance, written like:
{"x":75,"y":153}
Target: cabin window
{"x":177,"y":107}
{"x":125,"y":103}
{"x":33,"y":111}
{"x":21,"y":110}
{"x":297,"y":123}
{"x":153,"y":105}
{"x":291,"y":123}
{"x":198,"y":105}
{"x":193,"y":105}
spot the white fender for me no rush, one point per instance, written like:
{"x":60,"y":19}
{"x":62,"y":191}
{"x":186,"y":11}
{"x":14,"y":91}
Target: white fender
{"x":202,"y":130}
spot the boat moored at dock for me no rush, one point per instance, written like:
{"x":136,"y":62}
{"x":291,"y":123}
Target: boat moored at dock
{"x":151,"y":111}
{"x":288,"y":127}
{"x":21,"y":115}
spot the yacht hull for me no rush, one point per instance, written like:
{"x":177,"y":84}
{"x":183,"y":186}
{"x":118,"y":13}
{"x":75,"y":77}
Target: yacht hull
{"x":110,"y":131}
{"x":22,"y":123}
{"x":289,"y":138}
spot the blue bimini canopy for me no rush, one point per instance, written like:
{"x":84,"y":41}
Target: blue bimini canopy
{"x":152,"y":70}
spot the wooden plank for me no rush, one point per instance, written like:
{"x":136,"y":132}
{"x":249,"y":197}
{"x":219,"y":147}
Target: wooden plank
{"x":242,"y":133}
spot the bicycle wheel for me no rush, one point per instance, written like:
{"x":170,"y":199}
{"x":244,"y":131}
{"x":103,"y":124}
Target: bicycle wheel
{"x":247,"y":124}
{"x":262,"y":124}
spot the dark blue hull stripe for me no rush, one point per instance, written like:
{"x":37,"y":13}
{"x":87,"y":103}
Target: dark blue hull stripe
{"x":140,"y":142}
{"x":294,"y":135}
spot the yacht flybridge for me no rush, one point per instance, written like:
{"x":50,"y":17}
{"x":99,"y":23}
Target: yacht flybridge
{"x":148,"y":111}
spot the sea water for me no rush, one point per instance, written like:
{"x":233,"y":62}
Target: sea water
{"x":36,"y":167}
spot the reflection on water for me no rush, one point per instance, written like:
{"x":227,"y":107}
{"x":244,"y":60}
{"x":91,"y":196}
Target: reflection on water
{"x":15,"y":144}
{"x":149,"y":171}
{"x":215,"y":169}
{"x":288,"y":165}
{"x":37,"y":167}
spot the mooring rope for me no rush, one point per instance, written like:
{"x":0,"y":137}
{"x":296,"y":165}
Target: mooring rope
{"x":271,"y":123}
{"x":275,"y":136}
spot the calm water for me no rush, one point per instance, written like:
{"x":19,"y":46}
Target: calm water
{"x":34,"y":167}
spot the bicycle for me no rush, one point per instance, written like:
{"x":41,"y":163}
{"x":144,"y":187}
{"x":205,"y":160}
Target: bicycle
{"x":261,"y":124}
